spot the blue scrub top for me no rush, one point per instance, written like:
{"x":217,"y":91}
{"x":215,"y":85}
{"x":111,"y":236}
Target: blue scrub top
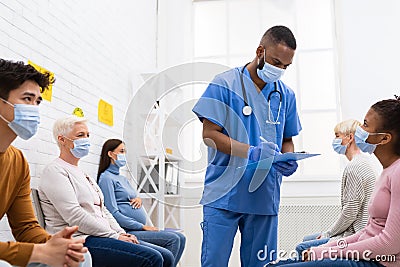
{"x":227,"y":181}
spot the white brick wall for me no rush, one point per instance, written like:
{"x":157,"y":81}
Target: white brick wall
{"x":96,"y":50}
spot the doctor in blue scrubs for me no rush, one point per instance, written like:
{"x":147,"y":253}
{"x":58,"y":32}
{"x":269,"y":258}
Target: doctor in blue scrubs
{"x":249,"y":115}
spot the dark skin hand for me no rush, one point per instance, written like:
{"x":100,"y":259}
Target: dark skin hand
{"x":213,"y":137}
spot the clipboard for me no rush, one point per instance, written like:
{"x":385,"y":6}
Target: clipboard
{"x":289,"y":156}
{"x":293,"y":156}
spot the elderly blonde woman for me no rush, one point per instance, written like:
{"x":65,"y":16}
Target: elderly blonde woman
{"x":358,"y":182}
{"x":70,"y":197}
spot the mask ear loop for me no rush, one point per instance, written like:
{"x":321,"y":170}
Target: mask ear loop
{"x":5,"y":101}
{"x":384,"y":138}
{"x":1,"y":116}
{"x":347,"y":135}
{"x":380,"y":143}
{"x":116,"y":157}
{"x":258,"y":61}
{"x":4,"y":119}
{"x":62,"y":139}
{"x":264,"y":56}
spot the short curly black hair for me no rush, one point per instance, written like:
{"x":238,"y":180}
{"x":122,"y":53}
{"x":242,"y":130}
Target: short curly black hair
{"x":13,"y":74}
{"x":280,"y":34}
{"x":389,"y":112}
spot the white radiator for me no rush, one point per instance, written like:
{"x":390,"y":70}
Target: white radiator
{"x":297,"y":221}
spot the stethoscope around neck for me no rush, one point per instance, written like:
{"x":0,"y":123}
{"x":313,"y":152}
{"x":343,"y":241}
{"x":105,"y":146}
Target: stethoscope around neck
{"x":247,"y":110}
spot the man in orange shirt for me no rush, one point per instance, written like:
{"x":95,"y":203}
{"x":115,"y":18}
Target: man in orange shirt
{"x":20,"y":89}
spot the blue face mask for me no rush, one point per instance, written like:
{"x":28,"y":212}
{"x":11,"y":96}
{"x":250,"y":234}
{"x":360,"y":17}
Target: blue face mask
{"x":338,"y":147}
{"x":120,"y":161}
{"x":26,"y":120}
{"x":81,"y":147}
{"x":361,"y":137}
{"x":269,"y":73}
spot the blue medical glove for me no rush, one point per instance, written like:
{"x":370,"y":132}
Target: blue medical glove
{"x":287,"y":168}
{"x":262,"y":151}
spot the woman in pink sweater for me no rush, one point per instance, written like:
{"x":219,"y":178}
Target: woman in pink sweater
{"x":378,"y":244}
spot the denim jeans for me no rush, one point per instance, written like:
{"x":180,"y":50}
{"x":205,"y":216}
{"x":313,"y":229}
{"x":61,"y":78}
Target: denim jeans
{"x":172,"y":241}
{"x":110,"y":252}
{"x":86,"y":263}
{"x":311,"y":237}
{"x":310,"y":243}
{"x":326,"y":263}
{"x":168,"y":258}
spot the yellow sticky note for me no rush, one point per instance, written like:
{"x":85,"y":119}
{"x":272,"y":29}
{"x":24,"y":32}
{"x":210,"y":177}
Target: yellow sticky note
{"x":105,"y":113}
{"x":47,"y":94}
{"x":78,"y":112}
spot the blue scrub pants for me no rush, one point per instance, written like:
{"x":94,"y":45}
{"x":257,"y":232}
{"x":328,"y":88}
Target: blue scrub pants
{"x":258,"y":237}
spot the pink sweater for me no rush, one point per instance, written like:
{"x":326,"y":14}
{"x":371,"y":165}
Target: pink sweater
{"x":381,"y":236}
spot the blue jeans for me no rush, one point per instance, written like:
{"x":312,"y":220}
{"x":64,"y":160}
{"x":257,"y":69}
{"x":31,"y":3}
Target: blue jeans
{"x":172,"y":241}
{"x":168,"y":258}
{"x":326,"y":263}
{"x":311,"y":237}
{"x":110,"y":252}
{"x":310,"y":243}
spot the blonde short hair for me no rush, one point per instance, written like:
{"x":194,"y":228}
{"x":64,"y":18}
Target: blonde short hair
{"x":63,"y":126}
{"x":347,"y":126}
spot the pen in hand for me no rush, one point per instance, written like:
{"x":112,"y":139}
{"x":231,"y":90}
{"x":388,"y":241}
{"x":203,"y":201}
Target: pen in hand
{"x":276,"y":147}
{"x":264,"y":140}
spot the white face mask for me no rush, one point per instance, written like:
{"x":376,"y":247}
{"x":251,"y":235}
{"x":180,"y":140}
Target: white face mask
{"x":81,"y":147}
{"x":338,"y":147}
{"x":26,"y":120}
{"x":269,"y":73}
{"x":361,"y":137}
{"x":121,"y":160}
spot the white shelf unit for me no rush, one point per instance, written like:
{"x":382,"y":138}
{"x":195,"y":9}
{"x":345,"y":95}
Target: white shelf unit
{"x":154,"y":169}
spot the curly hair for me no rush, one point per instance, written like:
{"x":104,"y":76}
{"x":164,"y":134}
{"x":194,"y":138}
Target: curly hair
{"x":13,"y":74}
{"x":389,"y":112}
{"x":280,"y":34}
